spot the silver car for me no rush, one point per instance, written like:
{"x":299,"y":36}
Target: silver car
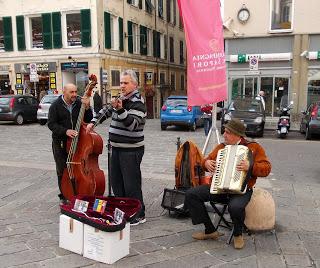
{"x":43,"y":109}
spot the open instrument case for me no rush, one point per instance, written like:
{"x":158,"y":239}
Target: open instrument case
{"x":105,"y":221}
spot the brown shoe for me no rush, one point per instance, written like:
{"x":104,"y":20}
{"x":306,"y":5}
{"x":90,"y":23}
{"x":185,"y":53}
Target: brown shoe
{"x":202,"y":236}
{"x":238,"y":242}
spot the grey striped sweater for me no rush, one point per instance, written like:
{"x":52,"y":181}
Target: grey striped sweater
{"x":126,"y":128}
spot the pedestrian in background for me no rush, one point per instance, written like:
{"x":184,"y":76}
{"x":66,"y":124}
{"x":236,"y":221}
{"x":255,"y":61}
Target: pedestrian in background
{"x":207,"y":117}
{"x":97,"y":102}
{"x":262,"y":98}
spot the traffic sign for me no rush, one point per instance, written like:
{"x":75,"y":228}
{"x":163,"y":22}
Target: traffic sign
{"x":104,"y":76}
{"x":34,"y":77}
{"x":254,"y":63}
{"x":33,"y":68}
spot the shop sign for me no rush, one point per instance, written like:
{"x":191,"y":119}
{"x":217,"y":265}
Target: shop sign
{"x":41,"y":67}
{"x":74,"y":66}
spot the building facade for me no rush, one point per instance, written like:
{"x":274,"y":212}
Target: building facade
{"x":47,"y":44}
{"x":273,"y":45}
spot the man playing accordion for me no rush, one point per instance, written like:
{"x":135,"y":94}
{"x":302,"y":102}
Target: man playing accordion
{"x":196,"y":197}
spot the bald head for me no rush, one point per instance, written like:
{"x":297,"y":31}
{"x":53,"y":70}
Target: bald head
{"x":70,"y":93}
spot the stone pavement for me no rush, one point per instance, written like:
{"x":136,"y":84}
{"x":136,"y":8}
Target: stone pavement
{"x":29,"y":211}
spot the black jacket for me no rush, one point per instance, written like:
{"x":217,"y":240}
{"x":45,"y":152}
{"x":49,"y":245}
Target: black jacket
{"x":60,"y":119}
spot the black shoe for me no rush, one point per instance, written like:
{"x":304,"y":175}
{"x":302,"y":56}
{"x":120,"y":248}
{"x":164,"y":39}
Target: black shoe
{"x":138,"y":221}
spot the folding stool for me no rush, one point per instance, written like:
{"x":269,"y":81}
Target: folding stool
{"x":222,"y":221}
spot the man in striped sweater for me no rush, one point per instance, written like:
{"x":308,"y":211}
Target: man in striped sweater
{"x":127,"y":139}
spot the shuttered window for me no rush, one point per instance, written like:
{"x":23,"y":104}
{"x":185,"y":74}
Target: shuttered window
{"x":85,"y":28}
{"x":107,"y":30}
{"x":120,"y":34}
{"x":46,"y":28}
{"x":130,"y":37}
{"x":143,"y":40}
{"x":7,"y":32}
{"x":21,"y":40}
{"x":56,"y":30}
{"x":156,"y":44}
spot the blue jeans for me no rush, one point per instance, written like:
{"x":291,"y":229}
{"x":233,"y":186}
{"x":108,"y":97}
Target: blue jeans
{"x":207,"y":125}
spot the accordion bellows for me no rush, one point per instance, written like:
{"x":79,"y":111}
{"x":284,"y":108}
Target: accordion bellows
{"x":227,"y":179}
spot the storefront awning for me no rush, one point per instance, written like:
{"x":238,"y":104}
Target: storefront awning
{"x":242,"y":58}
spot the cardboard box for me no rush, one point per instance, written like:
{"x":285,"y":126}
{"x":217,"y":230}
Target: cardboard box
{"x":106,"y":247}
{"x":71,"y":234}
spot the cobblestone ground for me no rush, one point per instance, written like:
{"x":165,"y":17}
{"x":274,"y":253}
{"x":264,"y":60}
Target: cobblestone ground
{"x":29,"y":211}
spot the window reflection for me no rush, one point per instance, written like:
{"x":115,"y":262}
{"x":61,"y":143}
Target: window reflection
{"x":73,"y":29}
{"x":281,"y":14}
{"x":36,"y":30}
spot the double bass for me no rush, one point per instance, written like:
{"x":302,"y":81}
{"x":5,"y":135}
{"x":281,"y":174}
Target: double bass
{"x":82,"y":174}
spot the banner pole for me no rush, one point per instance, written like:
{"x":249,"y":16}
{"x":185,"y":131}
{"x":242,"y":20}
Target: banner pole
{"x":212,"y":129}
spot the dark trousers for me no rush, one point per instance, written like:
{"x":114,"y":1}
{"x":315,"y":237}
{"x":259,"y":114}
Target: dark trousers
{"x":60,"y":157}
{"x":196,"y":197}
{"x":126,"y":174}
{"x":207,"y":125}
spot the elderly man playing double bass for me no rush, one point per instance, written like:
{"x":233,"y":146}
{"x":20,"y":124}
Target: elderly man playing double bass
{"x":196,"y":197}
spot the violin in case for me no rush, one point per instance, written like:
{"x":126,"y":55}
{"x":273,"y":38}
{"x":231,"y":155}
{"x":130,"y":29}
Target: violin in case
{"x":105,"y":221}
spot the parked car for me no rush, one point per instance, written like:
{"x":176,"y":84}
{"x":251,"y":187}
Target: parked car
{"x":248,"y":110}
{"x":43,"y":108}
{"x":175,"y":111}
{"x":310,"y":122}
{"x":18,"y":108}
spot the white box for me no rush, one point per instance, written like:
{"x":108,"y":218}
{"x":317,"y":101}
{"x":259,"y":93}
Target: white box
{"x":106,"y":247}
{"x":71,"y":234}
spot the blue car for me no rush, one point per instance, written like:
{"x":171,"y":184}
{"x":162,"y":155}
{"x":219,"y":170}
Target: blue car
{"x":175,"y":111}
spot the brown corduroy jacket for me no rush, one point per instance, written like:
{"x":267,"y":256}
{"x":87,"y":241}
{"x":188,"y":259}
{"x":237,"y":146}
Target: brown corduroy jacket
{"x":261,"y":165}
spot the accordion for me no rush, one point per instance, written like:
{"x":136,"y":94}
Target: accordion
{"x":227,"y":179}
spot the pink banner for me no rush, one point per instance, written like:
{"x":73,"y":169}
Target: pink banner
{"x":205,"y":51}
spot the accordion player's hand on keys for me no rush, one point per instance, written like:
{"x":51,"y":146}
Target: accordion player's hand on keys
{"x":210,"y":165}
{"x":243,"y":165}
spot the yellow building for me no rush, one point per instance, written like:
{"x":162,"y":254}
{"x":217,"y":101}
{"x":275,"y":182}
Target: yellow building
{"x":47,"y":44}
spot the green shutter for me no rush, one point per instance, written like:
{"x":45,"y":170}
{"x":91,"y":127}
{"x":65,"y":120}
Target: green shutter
{"x":168,"y":11}
{"x":158,"y":45}
{"x":143,"y":40}
{"x":85,"y":28}
{"x":20,"y":33}
{"x":154,"y":38}
{"x":107,"y":30}
{"x":174,"y":13}
{"x":56,"y":30}
{"x":7,"y":33}
{"x":140,"y":4}
{"x":130,"y":37}
{"x":120,"y":34}
{"x":46,"y":31}
{"x":129,"y":2}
